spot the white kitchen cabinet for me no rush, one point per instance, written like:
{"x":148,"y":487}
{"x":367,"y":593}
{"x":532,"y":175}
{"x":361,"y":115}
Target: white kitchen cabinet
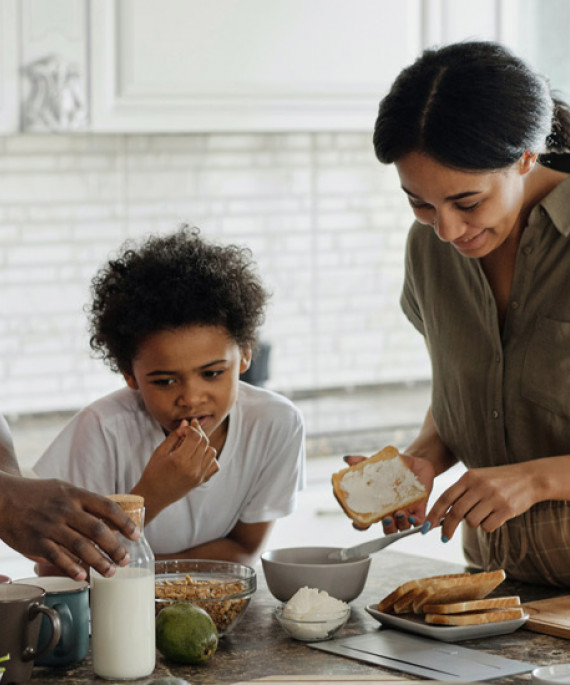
{"x":9,"y":81}
{"x":54,"y":65}
{"x":151,"y":66}
{"x":537,"y":30}
{"x":246,"y":65}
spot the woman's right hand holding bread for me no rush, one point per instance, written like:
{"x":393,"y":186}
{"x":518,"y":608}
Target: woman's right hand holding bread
{"x":182,"y":462}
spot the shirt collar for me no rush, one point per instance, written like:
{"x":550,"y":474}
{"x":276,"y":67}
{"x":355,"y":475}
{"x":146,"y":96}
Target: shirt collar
{"x":557,"y":206}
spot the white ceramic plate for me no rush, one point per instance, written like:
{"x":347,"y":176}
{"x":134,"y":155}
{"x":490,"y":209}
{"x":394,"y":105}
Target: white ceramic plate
{"x":416,"y":624}
{"x":558,"y":674}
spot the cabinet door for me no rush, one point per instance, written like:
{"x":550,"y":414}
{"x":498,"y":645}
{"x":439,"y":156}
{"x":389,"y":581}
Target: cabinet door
{"x":9,"y":102}
{"x":537,"y":31}
{"x":246,"y":65}
{"x":448,"y":21}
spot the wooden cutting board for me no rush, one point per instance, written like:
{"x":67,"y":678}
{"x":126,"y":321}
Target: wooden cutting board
{"x":550,"y":616}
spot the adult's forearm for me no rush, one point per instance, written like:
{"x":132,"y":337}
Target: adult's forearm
{"x":429,"y":445}
{"x":550,"y":477}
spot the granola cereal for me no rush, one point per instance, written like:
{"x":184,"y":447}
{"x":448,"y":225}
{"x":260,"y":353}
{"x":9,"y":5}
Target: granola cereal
{"x":217,"y":597}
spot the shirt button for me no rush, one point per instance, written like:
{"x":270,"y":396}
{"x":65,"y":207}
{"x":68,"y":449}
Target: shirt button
{"x":495,"y":414}
{"x":514,"y":304}
{"x":527,"y":250}
{"x":498,"y":358}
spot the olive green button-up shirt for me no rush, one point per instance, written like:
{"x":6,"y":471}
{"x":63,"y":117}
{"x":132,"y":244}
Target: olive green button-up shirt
{"x":502,"y":396}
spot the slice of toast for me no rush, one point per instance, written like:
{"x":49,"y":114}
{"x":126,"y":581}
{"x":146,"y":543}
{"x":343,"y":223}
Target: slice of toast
{"x":377,"y":486}
{"x":403,"y":594}
{"x":473,"y":605}
{"x":474,"y":618}
{"x":405,"y":604}
{"x":474,"y":586}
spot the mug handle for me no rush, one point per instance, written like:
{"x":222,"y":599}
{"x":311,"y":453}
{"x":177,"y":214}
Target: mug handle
{"x":65,"y":643}
{"x":35,"y":609}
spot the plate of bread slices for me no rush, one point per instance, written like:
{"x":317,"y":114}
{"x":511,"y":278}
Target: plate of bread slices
{"x":451,"y":607}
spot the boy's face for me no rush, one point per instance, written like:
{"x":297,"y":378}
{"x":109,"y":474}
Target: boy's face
{"x":187,"y":373}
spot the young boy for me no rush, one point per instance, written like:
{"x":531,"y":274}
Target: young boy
{"x":216,"y":460}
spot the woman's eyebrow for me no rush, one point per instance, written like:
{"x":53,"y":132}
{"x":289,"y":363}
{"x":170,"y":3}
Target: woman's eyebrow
{"x":457,"y":196}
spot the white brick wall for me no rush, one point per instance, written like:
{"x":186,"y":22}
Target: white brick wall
{"x":326,"y":223}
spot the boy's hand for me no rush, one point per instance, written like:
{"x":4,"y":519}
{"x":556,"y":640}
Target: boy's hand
{"x":182,"y":462}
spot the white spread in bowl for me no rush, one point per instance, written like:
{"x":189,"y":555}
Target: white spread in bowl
{"x":313,"y":614}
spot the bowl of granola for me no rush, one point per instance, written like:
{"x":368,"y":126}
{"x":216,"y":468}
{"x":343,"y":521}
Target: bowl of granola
{"x":222,"y":588}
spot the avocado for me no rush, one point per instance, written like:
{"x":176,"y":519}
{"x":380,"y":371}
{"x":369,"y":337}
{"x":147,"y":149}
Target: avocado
{"x":185,"y":633}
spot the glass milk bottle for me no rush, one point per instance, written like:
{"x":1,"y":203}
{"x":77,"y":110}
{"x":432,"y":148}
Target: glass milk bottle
{"x":122,"y":608}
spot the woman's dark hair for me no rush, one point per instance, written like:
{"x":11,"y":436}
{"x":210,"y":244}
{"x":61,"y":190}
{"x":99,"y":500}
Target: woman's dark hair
{"x":471,"y":105}
{"x":171,"y":282}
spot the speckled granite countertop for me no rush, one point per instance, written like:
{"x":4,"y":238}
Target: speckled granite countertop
{"x":258,"y":647}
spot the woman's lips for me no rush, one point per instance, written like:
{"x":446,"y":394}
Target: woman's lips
{"x":470,"y":243}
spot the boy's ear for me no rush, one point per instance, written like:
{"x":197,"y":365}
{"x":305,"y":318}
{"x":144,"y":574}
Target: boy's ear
{"x":130,"y":380}
{"x":245,"y":360}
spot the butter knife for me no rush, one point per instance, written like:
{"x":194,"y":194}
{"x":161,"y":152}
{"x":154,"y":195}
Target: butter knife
{"x":366,"y":548}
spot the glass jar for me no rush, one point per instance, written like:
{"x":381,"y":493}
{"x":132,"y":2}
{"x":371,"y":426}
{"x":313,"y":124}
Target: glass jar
{"x":122,"y":608}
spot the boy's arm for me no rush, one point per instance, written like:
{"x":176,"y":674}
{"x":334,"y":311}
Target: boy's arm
{"x":243,"y":544}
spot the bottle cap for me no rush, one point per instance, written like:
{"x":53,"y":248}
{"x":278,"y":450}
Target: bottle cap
{"x":133,"y":505}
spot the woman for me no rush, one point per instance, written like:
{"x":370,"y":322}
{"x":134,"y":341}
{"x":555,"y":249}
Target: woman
{"x":479,"y":143}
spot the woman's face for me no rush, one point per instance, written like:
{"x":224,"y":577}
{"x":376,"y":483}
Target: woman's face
{"x":476,"y":212}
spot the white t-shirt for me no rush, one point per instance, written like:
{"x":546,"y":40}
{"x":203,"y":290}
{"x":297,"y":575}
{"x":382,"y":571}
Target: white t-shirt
{"x":106,"y":446}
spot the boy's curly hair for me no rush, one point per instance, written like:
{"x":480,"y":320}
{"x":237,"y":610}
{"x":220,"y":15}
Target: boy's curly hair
{"x":170,"y":282}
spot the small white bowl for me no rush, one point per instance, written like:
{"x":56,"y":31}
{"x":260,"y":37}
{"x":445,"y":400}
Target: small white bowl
{"x":556,"y":674}
{"x":312,"y":631}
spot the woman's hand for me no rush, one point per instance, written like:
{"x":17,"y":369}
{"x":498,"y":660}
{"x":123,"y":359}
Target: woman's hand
{"x":402,"y":519}
{"x":182,"y":462}
{"x":485,"y":497}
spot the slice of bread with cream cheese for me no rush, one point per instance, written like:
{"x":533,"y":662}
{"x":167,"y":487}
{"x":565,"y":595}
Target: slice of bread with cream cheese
{"x":377,"y":486}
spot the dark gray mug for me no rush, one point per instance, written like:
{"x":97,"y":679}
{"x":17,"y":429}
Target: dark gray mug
{"x":21,"y":609}
{"x":70,"y":598}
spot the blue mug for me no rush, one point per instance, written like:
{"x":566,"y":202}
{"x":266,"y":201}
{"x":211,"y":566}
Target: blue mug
{"x":70,"y":598}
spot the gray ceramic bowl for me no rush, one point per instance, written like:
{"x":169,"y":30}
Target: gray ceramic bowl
{"x":286,"y":570}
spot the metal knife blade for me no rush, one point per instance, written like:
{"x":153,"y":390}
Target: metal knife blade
{"x":366,"y":548}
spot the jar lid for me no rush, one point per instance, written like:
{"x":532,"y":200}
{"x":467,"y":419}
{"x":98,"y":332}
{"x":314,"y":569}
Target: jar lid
{"x":131,"y":504}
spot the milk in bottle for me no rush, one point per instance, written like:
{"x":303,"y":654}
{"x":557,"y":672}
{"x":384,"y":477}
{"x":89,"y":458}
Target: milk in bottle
{"x":122,"y":608}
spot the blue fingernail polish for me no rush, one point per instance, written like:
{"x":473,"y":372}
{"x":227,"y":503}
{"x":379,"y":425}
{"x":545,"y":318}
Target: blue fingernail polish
{"x":346,"y":458}
{"x":399,"y":516}
{"x":412,"y":520}
{"x":426,"y":527}
{"x":444,"y":539}
{"x":387,"y":521}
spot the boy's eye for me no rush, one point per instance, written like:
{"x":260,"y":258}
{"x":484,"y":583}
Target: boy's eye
{"x":212,"y":374}
{"x":163,"y":381}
